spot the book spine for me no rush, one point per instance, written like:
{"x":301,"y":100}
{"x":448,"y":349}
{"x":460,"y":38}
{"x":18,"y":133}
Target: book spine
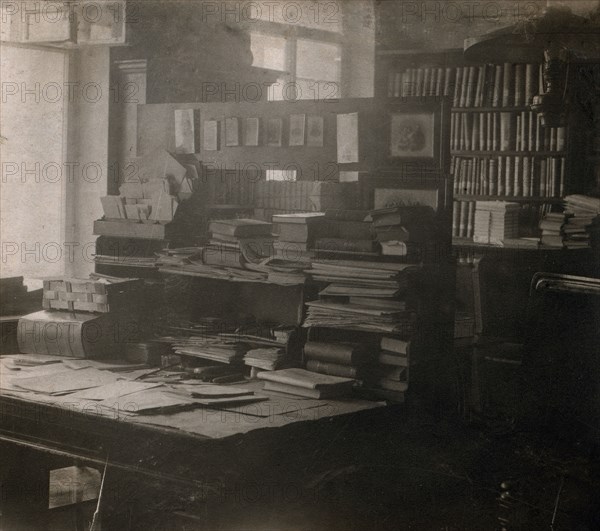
{"x":507,"y":85}
{"x":457,"y":87}
{"x":470,"y":219}
{"x":519,"y":70}
{"x":498,"y":86}
{"x":531,"y":81}
{"x":456,"y":218}
{"x":332,"y":369}
{"x":517,"y":191}
{"x":526,"y":177}
{"x":464,"y":214}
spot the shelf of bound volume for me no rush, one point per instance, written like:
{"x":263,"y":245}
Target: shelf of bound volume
{"x":499,"y":149}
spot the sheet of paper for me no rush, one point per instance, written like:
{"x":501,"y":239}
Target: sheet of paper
{"x":67,"y":381}
{"x":113,"y":390}
{"x":347,"y":138}
{"x":184,"y":131}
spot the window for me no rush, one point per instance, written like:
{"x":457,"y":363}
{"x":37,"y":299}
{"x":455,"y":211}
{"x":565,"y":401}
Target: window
{"x":310,"y":61}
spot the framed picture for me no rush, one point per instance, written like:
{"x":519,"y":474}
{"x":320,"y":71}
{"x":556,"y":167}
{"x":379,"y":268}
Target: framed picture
{"x":388,"y":189}
{"x":314,"y":134}
{"x":274,"y":131}
{"x":252,"y":132}
{"x":232,"y":132}
{"x":297,"y":125}
{"x":415,"y":139}
{"x":211,"y":135}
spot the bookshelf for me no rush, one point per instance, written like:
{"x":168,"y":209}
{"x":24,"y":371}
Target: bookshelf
{"x":499,"y":149}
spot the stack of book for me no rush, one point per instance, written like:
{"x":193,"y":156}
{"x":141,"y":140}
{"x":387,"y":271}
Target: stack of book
{"x":551,"y":226}
{"x":236,"y":241}
{"x":296,"y":234}
{"x":361,"y":296}
{"x":336,"y":359}
{"x":300,"y":382}
{"x":402,"y":229}
{"x":495,"y":221}
{"x":346,"y":231}
{"x":212,"y":348}
{"x":582,"y":227}
{"x":389,"y":374}
{"x":266,"y":359}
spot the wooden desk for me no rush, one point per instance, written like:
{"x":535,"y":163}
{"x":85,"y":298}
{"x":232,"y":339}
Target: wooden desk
{"x":186,"y":446}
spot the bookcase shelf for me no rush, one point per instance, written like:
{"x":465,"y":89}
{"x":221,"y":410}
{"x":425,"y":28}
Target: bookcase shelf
{"x":489,"y":153}
{"x":523,"y":108}
{"x":515,"y":199}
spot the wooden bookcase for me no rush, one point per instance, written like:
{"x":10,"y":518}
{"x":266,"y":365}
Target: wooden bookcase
{"x":499,"y":151}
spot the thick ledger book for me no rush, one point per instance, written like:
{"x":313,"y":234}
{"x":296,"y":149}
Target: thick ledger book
{"x":77,"y":335}
{"x":339,"y":353}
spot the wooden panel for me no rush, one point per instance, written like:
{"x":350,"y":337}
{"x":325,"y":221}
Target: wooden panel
{"x":156,"y":130}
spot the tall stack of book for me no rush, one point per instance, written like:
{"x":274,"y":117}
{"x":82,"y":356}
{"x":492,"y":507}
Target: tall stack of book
{"x":336,"y":359}
{"x":495,"y":221}
{"x":296,"y":234}
{"x":551,"y":226}
{"x":346,"y":231}
{"x":361,"y":296}
{"x":402,"y":230}
{"x":582,"y":227}
{"x":388,"y":374}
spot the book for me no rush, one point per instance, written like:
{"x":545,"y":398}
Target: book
{"x":391,"y":385}
{"x":392,"y":344}
{"x":306,"y":383}
{"x":339,"y":353}
{"x":350,"y":230}
{"x":301,"y":218}
{"x":242,"y":228}
{"x":333,"y":369}
{"x":292,"y":232}
{"x":392,"y":358}
{"x":342,"y":244}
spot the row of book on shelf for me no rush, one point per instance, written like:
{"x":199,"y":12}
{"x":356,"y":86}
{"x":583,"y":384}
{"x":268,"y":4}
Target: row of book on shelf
{"x":523,"y":218}
{"x":504,"y":131}
{"x":502,"y":85}
{"x":518,"y":176}
{"x":499,"y":222}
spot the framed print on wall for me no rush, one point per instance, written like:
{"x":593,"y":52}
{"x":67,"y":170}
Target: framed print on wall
{"x":274,"y":132}
{"x":415,"y":136}
{"x":232,"y":132}
{"x":297,"y":126}
{"x":314,"y":133}
{"x":252,"y":132}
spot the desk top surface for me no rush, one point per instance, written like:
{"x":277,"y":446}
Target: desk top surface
{"x":193,"y":418}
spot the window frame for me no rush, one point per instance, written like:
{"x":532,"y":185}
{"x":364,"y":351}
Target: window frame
{"x":291,"y":34}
